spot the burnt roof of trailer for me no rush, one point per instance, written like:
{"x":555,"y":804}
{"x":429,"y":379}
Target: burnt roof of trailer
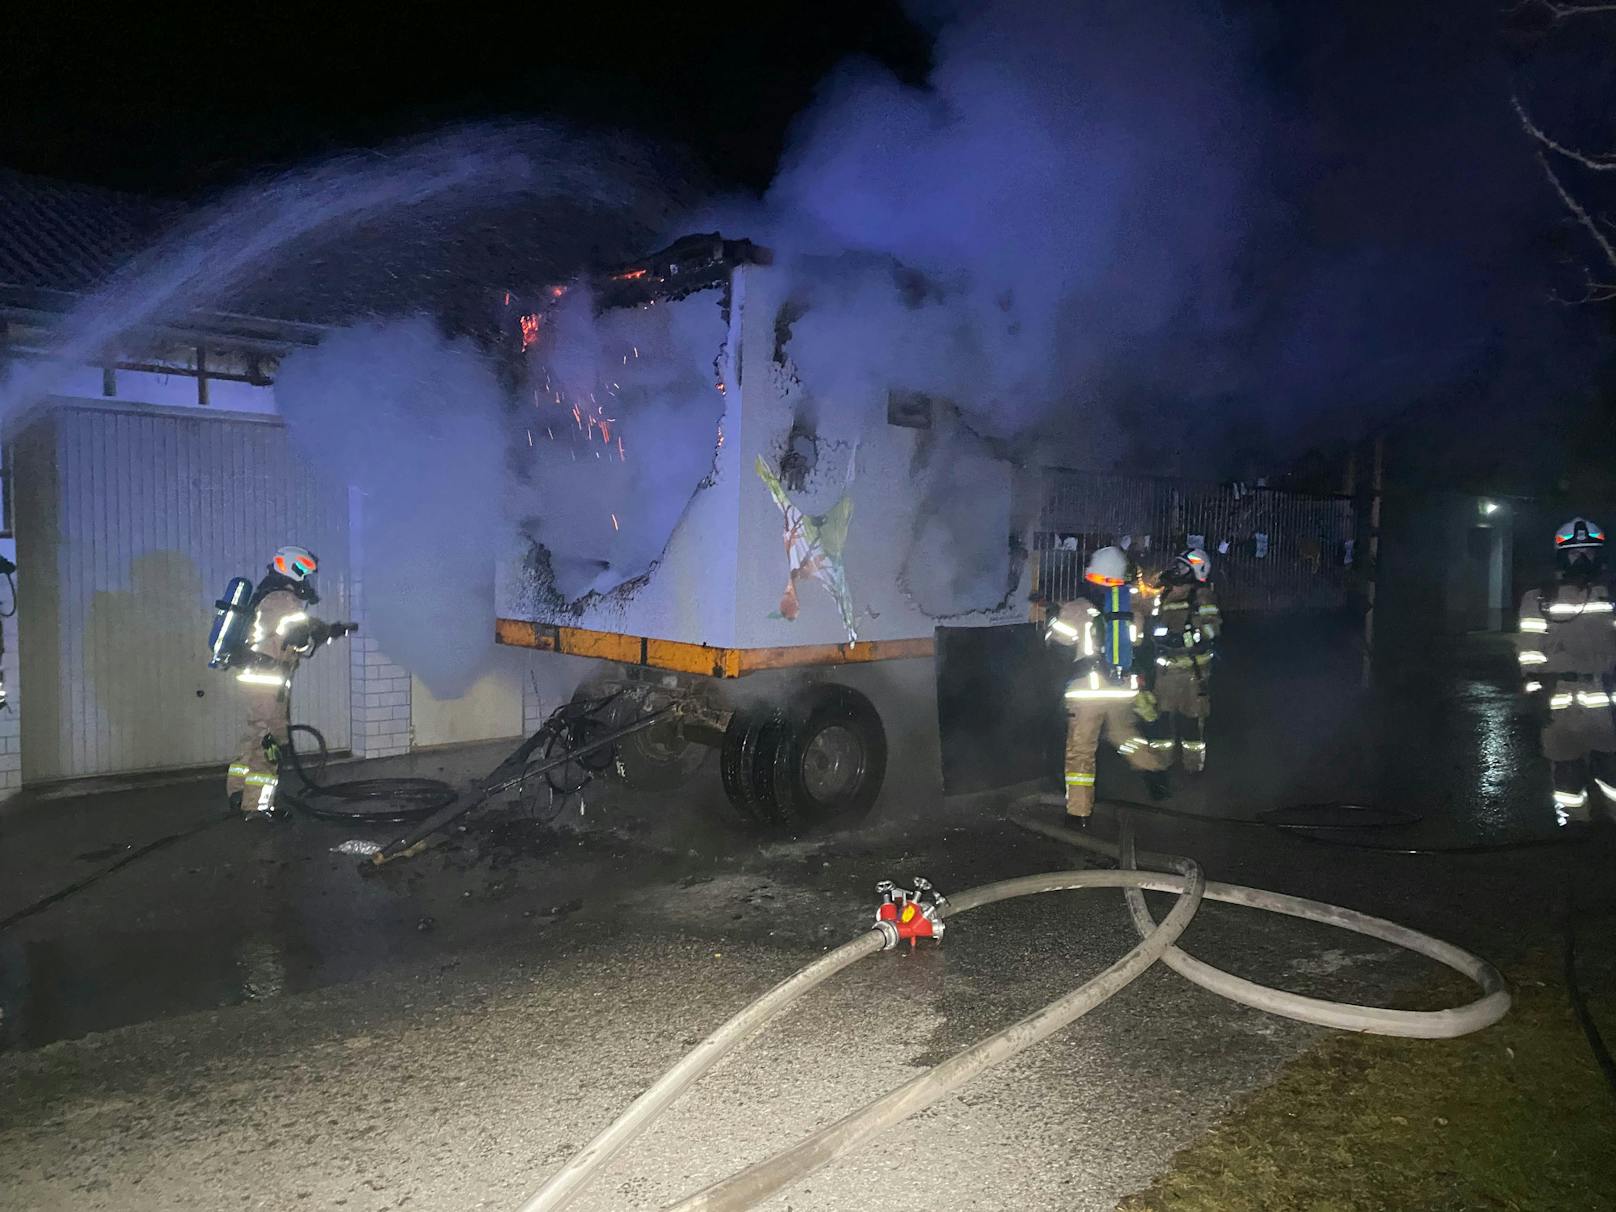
{"x":689,"y":264}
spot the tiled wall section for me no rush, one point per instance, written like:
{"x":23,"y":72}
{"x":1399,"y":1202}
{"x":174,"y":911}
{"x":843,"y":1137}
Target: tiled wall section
{"x":380,"y":691}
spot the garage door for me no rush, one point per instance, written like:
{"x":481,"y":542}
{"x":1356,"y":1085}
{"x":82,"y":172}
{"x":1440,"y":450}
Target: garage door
{"x":129,"y":523}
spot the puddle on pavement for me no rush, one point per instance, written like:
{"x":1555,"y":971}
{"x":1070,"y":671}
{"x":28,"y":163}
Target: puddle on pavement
{"x":52,"y":989}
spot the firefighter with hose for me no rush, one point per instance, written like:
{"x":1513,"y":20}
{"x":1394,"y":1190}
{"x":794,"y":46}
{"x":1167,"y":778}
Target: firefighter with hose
{"x":262,"y":634}
{"x":1106,"y":696}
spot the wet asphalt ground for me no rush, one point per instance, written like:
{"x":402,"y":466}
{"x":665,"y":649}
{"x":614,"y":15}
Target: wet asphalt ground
{"x":239,"y":1020}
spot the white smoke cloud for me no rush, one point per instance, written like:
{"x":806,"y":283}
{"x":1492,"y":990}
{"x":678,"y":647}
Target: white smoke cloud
{"x":1071,"y":186}
{"x":414,"y":422}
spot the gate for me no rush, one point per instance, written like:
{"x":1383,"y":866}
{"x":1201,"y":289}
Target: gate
{"x":1285,"y":550}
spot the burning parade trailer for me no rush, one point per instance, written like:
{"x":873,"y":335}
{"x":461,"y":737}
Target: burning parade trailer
{"x":782,"y":603}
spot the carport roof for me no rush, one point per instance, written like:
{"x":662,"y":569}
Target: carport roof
{"x":60,"y":236}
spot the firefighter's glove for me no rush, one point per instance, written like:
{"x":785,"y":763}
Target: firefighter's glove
{"x":336,"y":631}
{"x":1145,"y":707}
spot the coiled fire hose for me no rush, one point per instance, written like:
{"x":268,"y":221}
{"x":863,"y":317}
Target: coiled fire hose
{"x":1157,"y":941}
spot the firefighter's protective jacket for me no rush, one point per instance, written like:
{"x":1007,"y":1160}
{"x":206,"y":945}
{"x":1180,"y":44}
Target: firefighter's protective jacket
{"x":1185,"y":624}
{"x":283,"y":633}
{"x":1567,"y":630}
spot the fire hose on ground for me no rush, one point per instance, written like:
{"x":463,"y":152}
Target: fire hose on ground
{"x":1157,"y":942}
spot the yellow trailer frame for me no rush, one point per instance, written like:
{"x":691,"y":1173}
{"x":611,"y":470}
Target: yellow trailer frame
{"x":677,"y":656}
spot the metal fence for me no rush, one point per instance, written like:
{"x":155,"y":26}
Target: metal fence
{"x":1271,"y":550}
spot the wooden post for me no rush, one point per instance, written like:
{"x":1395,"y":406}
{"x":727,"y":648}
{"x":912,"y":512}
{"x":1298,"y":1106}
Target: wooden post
{"x":1372,"y":569}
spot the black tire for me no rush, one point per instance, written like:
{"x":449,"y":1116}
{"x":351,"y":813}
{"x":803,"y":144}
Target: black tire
{"x":831,"y":758}
{"x":744,"y":766}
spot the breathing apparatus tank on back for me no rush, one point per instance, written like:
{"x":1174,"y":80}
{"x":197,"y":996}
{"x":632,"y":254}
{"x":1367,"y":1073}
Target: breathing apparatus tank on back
{"x":233,"y":615}
{"x":1107,"y":571}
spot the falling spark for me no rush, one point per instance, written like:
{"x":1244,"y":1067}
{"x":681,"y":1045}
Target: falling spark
{"x":621,"y":457}
{"x":507,"y":298}
{"x":530,"y":329}
{"x":530,"y":437}
{"x":550,"y":432}
{"x":720,"y":386}
{"x":614,"y":523}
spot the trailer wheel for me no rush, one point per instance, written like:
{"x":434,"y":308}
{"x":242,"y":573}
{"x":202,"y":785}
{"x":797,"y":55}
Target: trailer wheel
{"x":746,"y":763}
{"x":657,"y":759}
{"x":660,"y":758}
{"x":831,"y":757}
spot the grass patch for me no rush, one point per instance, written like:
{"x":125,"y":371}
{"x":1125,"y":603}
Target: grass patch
{"x":1513,"y":1117}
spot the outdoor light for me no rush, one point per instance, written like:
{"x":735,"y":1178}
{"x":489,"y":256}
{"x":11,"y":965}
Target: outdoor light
{"x":1488,"y":508}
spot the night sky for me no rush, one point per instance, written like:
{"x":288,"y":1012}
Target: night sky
{"x":174,"y":102}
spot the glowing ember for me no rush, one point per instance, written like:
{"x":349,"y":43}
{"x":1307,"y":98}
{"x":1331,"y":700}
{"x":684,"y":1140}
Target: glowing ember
{"x":530,"y":329}
{"x":629,"y":275}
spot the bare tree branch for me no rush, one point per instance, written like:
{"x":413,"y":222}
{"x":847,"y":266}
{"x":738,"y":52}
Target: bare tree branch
{"x":1601,"y":163}
{"x":1560,"y":10}
{"x":1593,"y":292}
{"x":1579,"y":212}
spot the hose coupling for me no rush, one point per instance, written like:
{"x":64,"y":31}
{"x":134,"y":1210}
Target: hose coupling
{"x":911,"y":914}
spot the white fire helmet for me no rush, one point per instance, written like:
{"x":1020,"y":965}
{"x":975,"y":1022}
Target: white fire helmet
{"x":1196,"y":562}
{"x":1108,"y":566}
{"x":294,"y":563}
{"x":1579,"y":533}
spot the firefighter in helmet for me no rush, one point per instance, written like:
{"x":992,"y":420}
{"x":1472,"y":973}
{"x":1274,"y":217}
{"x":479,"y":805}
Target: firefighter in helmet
{"x":1567,"y":653}
{"x":1184,"y":625}
{"x":283,"y":632}
{"x":1105,"y":695}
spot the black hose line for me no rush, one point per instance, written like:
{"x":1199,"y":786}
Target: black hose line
{"x":95,"y":877}
{"x":1325,"y":834}
{"x":383,"y":801}
{"x":1579,"y":1003}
